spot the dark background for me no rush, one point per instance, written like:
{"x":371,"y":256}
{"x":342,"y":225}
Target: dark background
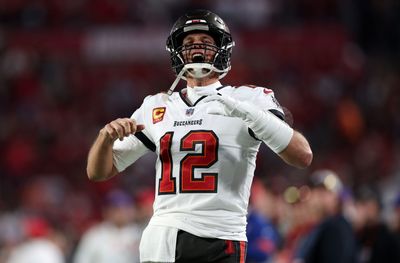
{"x":69,"y":67}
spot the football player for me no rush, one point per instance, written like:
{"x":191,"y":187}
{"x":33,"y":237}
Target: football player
{"x":206,"y":137}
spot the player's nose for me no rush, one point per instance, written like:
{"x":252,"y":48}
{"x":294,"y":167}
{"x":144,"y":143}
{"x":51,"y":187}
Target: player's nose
{"x":198,"y":47}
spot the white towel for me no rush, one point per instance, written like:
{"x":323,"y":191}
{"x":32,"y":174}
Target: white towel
{"x":158,"y":244}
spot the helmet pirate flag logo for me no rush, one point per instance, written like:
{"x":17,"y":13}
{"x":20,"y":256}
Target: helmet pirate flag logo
{"x":158,"y":114}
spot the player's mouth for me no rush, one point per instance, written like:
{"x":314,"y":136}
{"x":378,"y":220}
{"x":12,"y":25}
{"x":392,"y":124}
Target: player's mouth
{"x":198,"y":58}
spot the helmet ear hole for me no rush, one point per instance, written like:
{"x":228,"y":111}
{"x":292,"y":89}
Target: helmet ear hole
{"x":206,"y":22}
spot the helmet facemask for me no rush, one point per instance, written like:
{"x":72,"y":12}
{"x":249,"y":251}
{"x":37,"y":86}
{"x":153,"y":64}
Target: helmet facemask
{"x":199,"y":64}
{"x":199,"y":60}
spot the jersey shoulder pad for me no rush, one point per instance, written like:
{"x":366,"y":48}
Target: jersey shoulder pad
{"x":251,"y":90}
{"x":255,"y":88}
{"x":156,"y":98}
{"x":250,"y":86}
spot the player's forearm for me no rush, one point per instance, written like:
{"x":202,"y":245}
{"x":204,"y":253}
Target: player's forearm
{"x":100,"y":160}
{"x":298,"y":152}
{"x":289,"y":144}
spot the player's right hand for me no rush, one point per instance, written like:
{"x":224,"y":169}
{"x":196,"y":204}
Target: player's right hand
{"x":120,"y":128}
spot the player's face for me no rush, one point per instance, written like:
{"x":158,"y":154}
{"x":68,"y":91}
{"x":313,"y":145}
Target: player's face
{"x":198,"y":48}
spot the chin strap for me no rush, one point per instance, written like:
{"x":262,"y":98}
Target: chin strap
{"x":176,"y":81}
{"x":196,"y":70}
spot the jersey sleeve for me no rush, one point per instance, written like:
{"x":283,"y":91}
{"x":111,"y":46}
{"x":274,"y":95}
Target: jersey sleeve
{"x":141,"y":116}
{"x":131,"y":148}
{"x":265,"y":99}
{"x":262,"y":98}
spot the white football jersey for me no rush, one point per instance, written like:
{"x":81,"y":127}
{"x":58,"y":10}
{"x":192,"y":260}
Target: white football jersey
{"x":205,"y":162}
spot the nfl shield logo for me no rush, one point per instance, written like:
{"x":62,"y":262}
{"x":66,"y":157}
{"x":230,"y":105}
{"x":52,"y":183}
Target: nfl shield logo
{"x":189,"y":112}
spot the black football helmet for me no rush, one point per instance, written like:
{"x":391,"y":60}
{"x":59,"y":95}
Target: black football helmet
{"x":206,"y":22}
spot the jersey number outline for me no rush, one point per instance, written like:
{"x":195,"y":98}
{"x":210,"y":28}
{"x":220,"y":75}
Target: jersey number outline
{"x":208,"y":183}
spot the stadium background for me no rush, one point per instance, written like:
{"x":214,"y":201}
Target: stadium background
{"x":69,"y":67}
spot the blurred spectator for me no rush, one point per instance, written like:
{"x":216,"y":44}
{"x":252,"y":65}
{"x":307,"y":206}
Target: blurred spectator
{"x":376,"y":242}
{"x":332,"y":239}
{"x":301,"y":219}
{"x":116,"y":238}
{"x":263,"y":236}
{"x":39,"y":247}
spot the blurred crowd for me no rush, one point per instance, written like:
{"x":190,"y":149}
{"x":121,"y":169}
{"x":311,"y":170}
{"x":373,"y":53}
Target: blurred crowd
{"x":320,"y":221}
{"x":69,"y":67}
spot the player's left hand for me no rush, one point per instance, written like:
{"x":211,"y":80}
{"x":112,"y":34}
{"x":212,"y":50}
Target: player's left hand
{"x":229,"y":106}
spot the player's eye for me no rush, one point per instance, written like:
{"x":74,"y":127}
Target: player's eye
{"x":187,"y":44}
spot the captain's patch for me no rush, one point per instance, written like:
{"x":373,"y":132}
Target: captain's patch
{"x":158,"y":114}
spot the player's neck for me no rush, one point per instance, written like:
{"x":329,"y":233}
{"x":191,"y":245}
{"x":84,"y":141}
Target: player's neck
{"x":192,"y":82}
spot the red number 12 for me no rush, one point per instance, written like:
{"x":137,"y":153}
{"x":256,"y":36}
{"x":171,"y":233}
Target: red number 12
{"x":208,"y":156}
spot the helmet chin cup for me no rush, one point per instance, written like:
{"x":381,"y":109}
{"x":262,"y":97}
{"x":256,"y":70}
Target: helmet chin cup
{"x":199,"y":70}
